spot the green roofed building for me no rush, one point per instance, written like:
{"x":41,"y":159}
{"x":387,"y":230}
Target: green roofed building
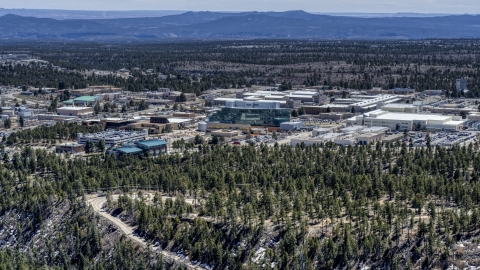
{"x":85,"y":100}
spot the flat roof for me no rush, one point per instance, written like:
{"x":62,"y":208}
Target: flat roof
{"x":128,"y":149}
{"x":228,"y":99}
{"x":331,"y":106}
{"x":151,"y":143}
{"x":305,"y":92}
{"x":178,"y":120}
{"x":399,"y":105}
{"x":281,"y":101}
{"x":300,"y":96}
{"x":374,"y":129}
{"x":74,"y":108}
{"x":368,"y":135}
{"x":274,"y":97}
{"x":410,"y":116}
{"x":328,"y":136}
{"x":290,"y":123}
{"x":352,"y":128}
{"x":454,"y":122}
{"x":85,"y":98}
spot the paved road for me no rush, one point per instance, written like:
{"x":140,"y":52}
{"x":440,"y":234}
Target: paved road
{"x":97,"y":203}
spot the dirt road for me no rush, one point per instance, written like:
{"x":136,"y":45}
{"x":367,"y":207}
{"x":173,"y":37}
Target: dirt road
{"x":97,"y":202}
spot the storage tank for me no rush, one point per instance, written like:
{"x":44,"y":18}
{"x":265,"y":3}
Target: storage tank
{"x":202,"y":126}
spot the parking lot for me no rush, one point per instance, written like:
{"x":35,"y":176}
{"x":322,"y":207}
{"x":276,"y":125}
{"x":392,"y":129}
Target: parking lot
{"x":443,"y":138}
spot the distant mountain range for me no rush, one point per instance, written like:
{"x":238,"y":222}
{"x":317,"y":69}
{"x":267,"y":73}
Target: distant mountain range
{"x":242,"y":25}
{"x":61,"y":14}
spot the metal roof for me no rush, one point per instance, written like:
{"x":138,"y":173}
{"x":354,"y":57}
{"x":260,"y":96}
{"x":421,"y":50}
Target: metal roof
{"x":151,"y":143}
{"x":85,"y":98}
{"x":128,"y":149}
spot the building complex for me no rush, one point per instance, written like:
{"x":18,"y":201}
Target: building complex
{"x":239,"y":114}
{"x":112,"y":138}
{"x":150,"y":147}
{"x":408,"y":121}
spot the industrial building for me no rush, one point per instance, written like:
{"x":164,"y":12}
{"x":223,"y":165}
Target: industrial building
{"x":288,"y":99}
{"x":25,"y":113}
{"x":407,"y":121}
{"x":401,"y":108}
{"x":71,"y":148}
{"x":86,"y":100}
{"x":351,"y":135}
{"x":75,"y":111}
{"x":321,"y":131}
{"x":433,"y":92}
{"x":190,"y":115}
{"x":112,"y":138}
{"x":226,"y":133}
{"x":356,"y":103}
{"x":287,"y":126}
{"x":175,"y":122}
{"x":125,"y":150}
{"x":153,"y":128}
{"x":239,"y":114}
{"x":152,"y":147}
{"x":320,"y":139}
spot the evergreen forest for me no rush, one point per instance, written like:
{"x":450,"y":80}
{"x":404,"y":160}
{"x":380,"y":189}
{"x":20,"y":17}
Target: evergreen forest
{"x":318,"y":207}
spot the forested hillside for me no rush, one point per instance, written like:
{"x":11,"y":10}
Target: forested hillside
{"x":248,"y":207}
{"x":195,"y":67}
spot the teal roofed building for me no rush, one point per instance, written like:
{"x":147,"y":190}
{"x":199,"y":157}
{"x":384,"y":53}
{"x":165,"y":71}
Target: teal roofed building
{"x":153,"y":147}
{"x":126,"y":150}
{"x":68,"y":102}
{"x":85,"y":100}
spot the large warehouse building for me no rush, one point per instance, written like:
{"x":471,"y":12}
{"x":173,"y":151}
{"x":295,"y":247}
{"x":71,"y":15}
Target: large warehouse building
{"x":407,"y":121}
{"x":75,"y":111}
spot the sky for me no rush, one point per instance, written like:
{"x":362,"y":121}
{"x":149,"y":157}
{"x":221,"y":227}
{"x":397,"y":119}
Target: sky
{"x":327,"y":6}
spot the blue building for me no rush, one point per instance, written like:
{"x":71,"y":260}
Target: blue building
{"x":253,"y":113}
{"x":126,"y":150}
{"x":152,"y":147}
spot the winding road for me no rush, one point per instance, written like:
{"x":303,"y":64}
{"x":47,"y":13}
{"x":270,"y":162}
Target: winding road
{"x":97,"y":202}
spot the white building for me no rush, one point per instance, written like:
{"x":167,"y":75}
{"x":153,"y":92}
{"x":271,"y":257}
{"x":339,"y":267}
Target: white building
{"x":401,"y":108}
{"x":75,"y":111}
{"x":327,"y":137}
{"x":360,"y":103}
{"x":408,"y":121}
{"x":260,"y":104}
{"x":287,"y":126}
{"x":25,"y":113}
{"x":112,"y":138}
{"x":321,"y":131}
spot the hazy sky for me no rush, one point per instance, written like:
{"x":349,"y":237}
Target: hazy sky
{"x":363,"y":6}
